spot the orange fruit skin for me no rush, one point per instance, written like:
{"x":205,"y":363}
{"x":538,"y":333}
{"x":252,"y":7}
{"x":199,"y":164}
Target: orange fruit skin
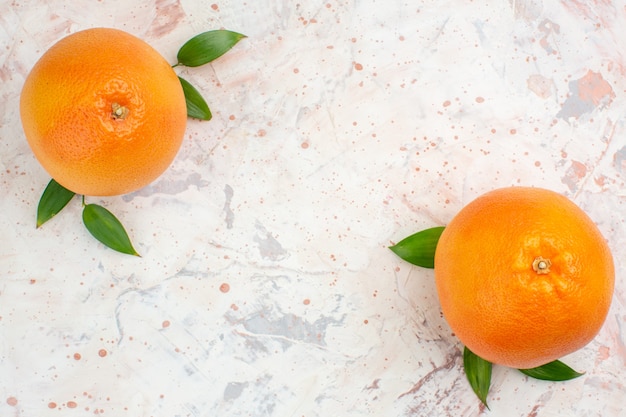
{"x":67,"y":105}
{"x":492,"y":297}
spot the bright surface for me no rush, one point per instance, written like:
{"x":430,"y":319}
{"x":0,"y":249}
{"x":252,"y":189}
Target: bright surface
{"x":265,"y":286}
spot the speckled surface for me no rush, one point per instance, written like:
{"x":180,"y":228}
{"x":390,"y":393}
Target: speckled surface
{"x":265,"y":286}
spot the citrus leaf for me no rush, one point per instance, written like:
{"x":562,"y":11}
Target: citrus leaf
{"x":196,"y":106}
{"x":207,"y":46}
{"x":419,"y":248}
{"x":54,"y":198}
{"x":478,"y":372}
{"x":105,"y":227}
{"x":553,"y":371}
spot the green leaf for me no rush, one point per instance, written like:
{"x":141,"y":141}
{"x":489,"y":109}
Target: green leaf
{"x":196,"y":106}
{"x":54,"y":198}
{"x":105,"y":227}
{"x":478,"y":373}
{"x":419,"y":249}
{"x":553,"y":371}
{"x":207,"y":46}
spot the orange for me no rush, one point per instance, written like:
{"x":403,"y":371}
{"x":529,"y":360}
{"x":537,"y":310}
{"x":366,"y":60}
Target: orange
{"x":524,"y":277}
{"x":103,"y":112}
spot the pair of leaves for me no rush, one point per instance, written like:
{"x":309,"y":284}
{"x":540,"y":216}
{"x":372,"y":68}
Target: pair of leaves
{"x":419,"y":249}
{"x":199,"y":50}
{"x":100,"y":222}
{"x":478,"y":372}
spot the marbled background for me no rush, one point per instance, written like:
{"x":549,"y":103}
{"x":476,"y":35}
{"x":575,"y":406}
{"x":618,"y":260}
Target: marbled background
{"x":265,"y":286}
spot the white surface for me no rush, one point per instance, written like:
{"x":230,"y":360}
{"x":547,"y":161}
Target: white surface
{"x":339,"y":128}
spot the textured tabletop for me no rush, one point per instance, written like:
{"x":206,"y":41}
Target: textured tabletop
{"x":266,"y":286}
